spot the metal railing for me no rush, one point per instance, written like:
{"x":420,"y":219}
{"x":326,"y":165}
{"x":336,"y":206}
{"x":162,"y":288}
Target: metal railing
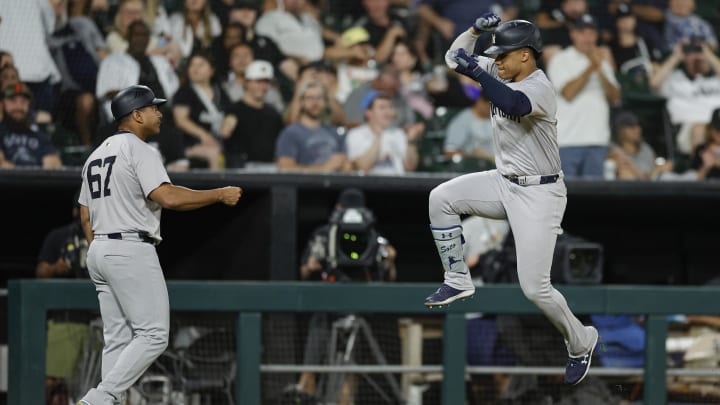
{"x":29,"y":301}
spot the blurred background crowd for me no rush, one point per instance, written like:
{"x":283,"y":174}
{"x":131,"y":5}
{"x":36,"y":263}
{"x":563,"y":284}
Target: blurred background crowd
{"x":358,"y":86}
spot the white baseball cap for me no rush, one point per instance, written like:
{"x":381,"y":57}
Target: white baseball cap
{"x":259,"y":70}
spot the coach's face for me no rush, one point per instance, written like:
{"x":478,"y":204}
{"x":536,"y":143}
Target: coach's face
{"x":151,"y":119}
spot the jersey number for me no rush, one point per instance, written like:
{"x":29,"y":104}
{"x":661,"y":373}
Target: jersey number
{"x":97,"y":188}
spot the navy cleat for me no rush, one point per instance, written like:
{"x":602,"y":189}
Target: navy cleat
{"x":577,"y":367}
{"x":446,"y":295}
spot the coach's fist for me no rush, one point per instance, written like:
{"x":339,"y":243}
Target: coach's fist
{"x":487,"y":22}
{"x":230,"y":195}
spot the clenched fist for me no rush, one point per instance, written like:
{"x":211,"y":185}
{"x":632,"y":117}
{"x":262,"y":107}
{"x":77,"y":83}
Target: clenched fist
{"x":487,"y":22}
{"x":230,"y":195}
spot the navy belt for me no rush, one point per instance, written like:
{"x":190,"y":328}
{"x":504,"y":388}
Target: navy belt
{"x":528,"y":180}
{"x":142,"y":236}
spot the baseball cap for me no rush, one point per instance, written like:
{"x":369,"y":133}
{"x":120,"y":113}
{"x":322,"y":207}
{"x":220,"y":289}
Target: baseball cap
{"x":584,"y":21}
{"x":259,"y":70}
{"x":351,"y":198}
{"x":17,"y":89}
{"x":353,"y":36}
{"x":626,"y":119}
{"x":368,"y":99}
{"x":715,"y":120}
{"x":623,"y":9}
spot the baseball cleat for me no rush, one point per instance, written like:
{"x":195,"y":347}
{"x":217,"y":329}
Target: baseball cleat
{"x":446,"y":295}
{"x":577,"y":367}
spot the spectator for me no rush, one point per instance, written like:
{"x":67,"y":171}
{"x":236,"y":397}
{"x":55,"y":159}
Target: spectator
{"x":325,"y":74}
{"x":450,"y":18}
{"x":245,"y":12}
{"x":128,"y":12}
{"x":295,"y":31}
{"x":241,"y":56}
{"x":123,"y":69}
{"x":199,"y":112}
{"x":413,"y":85}
{"x":232,"y":34}
{"x":256,"y":123}
{"x":469,"y":134}
{"x":633,"y":54}
{"x":23,"y":32}
{"x":377,"y":148}
{"x":584,"y":78}
{"x":634,"y":158}
{"x":309,"y":144}
{"x":8,"y":76}
{"x":194,"y":27}
{"x":649,"y":15}
{"x":388,"y":83}
{"x":20,"y":145}
{"x":77,"y":48}
{"x":358,"y":67}
{"x":6,"y":59}
{"x":706,"y":157}
{"x":384,"y":27}
{"x":682,"y":24}
{"x":554,"y":19}
{"x":689,"y":79}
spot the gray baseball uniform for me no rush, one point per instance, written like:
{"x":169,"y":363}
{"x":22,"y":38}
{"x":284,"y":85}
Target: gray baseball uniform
{"x":122,"y":261}
{"x":525,"y":146}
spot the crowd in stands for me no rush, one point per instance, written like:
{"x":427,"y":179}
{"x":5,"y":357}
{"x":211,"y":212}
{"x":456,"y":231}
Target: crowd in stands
{"x":356,"y":86}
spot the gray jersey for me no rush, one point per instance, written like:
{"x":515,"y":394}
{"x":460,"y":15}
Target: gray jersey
{"x":117,"y":179}
{"x":526,"y":145}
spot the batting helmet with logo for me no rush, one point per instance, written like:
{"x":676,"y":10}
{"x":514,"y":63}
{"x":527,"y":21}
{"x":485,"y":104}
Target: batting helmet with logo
{"x":133,"y":98}
{"x":515,"y":34}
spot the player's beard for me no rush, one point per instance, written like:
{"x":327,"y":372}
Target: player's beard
{"x":17,"y":124}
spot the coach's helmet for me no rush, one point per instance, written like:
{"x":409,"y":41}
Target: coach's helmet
{"x":133,"y":98}
{"x":515,"y":34}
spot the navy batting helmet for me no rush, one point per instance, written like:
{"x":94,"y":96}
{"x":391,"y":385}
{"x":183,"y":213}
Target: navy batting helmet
{"x":515,"y":34}
{"x":133,"y":98}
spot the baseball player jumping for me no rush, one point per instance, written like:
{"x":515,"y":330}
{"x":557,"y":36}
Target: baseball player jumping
{"x":124,"y":188}
{"x":527,"y":187}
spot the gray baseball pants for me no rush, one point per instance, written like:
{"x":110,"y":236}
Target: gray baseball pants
{"x":134,"y":307}
{"x":534,"y":213}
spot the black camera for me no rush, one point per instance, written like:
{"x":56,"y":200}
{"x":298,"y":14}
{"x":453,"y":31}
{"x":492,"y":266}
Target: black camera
{"x":352,"y":239}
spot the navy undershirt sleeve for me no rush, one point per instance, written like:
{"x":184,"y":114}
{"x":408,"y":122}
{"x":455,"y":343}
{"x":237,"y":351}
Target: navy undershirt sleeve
{"x":509,"y":101}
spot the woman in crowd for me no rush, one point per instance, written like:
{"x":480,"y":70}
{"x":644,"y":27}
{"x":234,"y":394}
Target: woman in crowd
{"x":199,"y":112}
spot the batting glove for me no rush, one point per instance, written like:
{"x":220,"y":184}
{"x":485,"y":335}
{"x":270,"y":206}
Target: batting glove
{"x":487,"y":22}
{"x":467,"y":65}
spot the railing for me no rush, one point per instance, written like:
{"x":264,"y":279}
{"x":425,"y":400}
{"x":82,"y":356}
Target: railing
{"x":29,"y":301}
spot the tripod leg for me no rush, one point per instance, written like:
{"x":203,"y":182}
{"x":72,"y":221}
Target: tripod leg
{"x":380,"y":357}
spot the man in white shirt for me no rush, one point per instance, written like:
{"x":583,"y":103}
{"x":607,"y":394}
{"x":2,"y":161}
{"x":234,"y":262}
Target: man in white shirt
{"x":585,"y":82}
{"x":296,"y":32}
{"x":690,"y":81}
{"x":377,"y":148}
{"x":123,"y":69}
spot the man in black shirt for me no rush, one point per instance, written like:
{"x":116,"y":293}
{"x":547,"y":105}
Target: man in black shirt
{"x":257,"y":124}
